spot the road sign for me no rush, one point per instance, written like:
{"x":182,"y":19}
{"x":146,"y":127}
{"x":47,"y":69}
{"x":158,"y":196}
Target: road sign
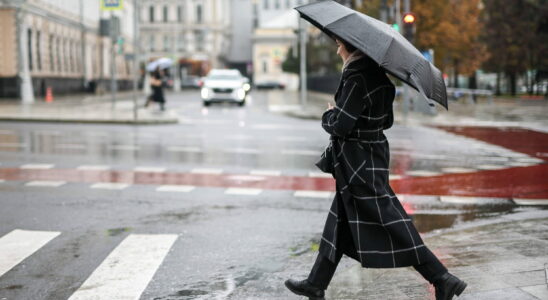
{"x":112,"y":4}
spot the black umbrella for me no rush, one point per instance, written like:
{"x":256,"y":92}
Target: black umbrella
{"x":382,"y":43}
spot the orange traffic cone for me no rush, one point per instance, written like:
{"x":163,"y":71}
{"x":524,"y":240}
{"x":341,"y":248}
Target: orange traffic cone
{"x":49,"y":95}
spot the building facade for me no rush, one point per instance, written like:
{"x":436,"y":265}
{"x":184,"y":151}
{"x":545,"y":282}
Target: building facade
{"x":194,"y":33}
{"x":57,"y":44}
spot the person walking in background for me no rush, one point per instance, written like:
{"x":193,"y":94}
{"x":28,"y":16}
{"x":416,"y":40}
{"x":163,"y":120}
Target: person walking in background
{"x":366,"y":221}
{"x":156,"y":85}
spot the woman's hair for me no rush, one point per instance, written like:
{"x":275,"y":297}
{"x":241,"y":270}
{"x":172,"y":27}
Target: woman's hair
{"x":349,"y":47}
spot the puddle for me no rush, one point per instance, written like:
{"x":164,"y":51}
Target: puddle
{"x":117,"y":231}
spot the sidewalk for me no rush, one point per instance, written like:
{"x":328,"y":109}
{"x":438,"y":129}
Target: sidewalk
{"x":85,"y":109}
{"x":502,"y":112}
{"x":504,"y":258}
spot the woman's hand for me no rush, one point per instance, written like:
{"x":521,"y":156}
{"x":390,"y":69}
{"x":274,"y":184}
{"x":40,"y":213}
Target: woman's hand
{"x":329,"y":106}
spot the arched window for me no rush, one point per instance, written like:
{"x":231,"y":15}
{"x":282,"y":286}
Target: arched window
{"x":29,"y":44}
{"x":151,"y":14}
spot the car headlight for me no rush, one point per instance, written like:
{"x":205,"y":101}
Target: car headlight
{"x":241,"y":94}
{"x":246,"y":87}
{"x":205,"y":93}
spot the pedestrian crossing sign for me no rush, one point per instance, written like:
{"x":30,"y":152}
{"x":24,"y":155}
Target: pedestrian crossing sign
{"x":111,"y":4}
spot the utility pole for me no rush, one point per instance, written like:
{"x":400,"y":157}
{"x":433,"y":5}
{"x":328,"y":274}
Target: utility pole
{"x":302,"y":37}
{"x":406,"y":91}
{"x":25,"y":83}
{"x":136,"y":57}
{"x":113,"y":40}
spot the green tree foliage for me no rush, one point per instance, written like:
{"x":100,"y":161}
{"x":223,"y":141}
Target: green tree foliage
{"x":516,"y":36}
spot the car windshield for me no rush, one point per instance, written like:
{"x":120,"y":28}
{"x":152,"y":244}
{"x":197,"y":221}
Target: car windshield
{"x":223,"y":77}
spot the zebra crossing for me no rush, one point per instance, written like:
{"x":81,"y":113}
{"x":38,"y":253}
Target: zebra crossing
{"x":123,"y":274}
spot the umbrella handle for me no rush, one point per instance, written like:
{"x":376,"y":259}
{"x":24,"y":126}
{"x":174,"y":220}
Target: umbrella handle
{"x":412,"y":77}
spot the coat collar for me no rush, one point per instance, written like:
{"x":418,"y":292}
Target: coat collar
{"x":358,"y":66}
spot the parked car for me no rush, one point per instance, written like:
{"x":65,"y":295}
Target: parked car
{"x":225,"y":85}
{"x":269,"y":85}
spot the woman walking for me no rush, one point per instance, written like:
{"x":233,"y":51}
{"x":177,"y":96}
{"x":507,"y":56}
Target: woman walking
{"x":366,"y":221}
{"x":156,"y":85}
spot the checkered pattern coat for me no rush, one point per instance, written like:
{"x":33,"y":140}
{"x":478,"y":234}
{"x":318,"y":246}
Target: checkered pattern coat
{"x":382,"y":234}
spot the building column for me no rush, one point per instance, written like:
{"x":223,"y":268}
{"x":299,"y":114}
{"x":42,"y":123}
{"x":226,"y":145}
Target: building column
{"x":25,"y":83}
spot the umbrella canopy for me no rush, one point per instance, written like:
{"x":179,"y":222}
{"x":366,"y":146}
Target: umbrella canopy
{"x":382,"y":43}
{"x":162,"y":63}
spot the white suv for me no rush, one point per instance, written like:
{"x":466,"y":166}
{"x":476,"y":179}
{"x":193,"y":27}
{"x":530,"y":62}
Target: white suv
{"x":224,"y":85}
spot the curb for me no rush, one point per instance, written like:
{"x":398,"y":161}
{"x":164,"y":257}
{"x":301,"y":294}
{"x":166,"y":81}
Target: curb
{"x":92,"y":121}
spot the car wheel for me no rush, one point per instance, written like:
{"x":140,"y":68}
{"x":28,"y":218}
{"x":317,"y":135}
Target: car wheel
{"x":206,"y":103}
{"x":241,"y":103}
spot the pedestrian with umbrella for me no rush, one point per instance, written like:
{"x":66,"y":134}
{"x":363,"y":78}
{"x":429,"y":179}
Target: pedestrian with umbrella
{"x":157,"y":69}
{"x":366,"y":221}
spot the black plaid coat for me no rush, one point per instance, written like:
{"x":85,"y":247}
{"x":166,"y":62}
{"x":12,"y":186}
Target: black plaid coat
{"x":381,"y":233}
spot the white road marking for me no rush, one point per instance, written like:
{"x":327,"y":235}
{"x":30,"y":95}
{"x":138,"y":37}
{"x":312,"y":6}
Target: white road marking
{"x":124,"y":147}
{"x":530,"y":160}
{"x":13,"y":145}
{"x":109,"y":186}
{"x":45,"y":183}
{"x":520,"y":164}
{"x":522,"y":201}
{"x":243,"y":191}
{"x":93,"y":168}
{"x":319,"y":175}
{"x":238,"y":137}
{"x":491,"y":167}
{"x":184,"y":149}
{"x":127,"y":270}
{"x":19,"y":244}
{"x":37,"y":166}
{"x":292,"y":138}
{"x":206,"y":171}
{"x":458,"y":170}
{"x":301,"y":152}
{"x":421,"y":173}
{"x":175,"y":188}
{"x":312,"y":194}
{"x":394,"y":177}
{"x":495,"y":158}
{"x":149,"y":169}
{"x":242,"y":150}
{"x":265,"y":172}
{"x":246,"y":178}
{"x":70,"y":146}
{"x":472,"y":200}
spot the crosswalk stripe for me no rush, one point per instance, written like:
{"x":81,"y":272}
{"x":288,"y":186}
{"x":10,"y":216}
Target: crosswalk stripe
{"x":109,"y":186}
{"x":37,"y":166}
{"x":149,"y":169}
{"x":457,"y":170}
{"x":93,"y":168}
{"x":243,"y":191}
{"x":319,"y":175}
{"x":175,"y":188}
{"x":20,"y":244}
{"x":491,"y":167}
{"x":312,"y":194}
{"x":206,"y":171}
{"x":45,"y":183}
{"x":265,"y":172}
{"x":421,"y":173}
{"x":127,"y":270}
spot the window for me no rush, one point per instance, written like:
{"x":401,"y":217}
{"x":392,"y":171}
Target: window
{"x":288,"y":4}
{"x":181,"y":42}
{"x":180,"y":13}
{"x":199,"y":14}
{"x":165,"y":14}
{"x":29,"y":43}
{"x":277,"y":4}
{"x":167,"y":45}
{"x":69,"y":58}
{"x":266,"y":4}
{"x":200,"y":40}
{"x":38,"y":51}
{"x":51,"y":54}
{"x":151,"y":14}
{"x":152,"y":42}
{"x":58,"y":50}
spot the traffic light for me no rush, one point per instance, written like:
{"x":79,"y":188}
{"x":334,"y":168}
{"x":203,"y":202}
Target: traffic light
{"x":409,"y":26}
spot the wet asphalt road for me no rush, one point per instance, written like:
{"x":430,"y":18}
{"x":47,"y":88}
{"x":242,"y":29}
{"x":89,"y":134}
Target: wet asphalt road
{"x":224,"y":239}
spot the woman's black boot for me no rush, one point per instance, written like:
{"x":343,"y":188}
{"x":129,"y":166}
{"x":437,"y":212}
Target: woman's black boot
{"x":305,"y":288}
{"x":448,"y":286}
